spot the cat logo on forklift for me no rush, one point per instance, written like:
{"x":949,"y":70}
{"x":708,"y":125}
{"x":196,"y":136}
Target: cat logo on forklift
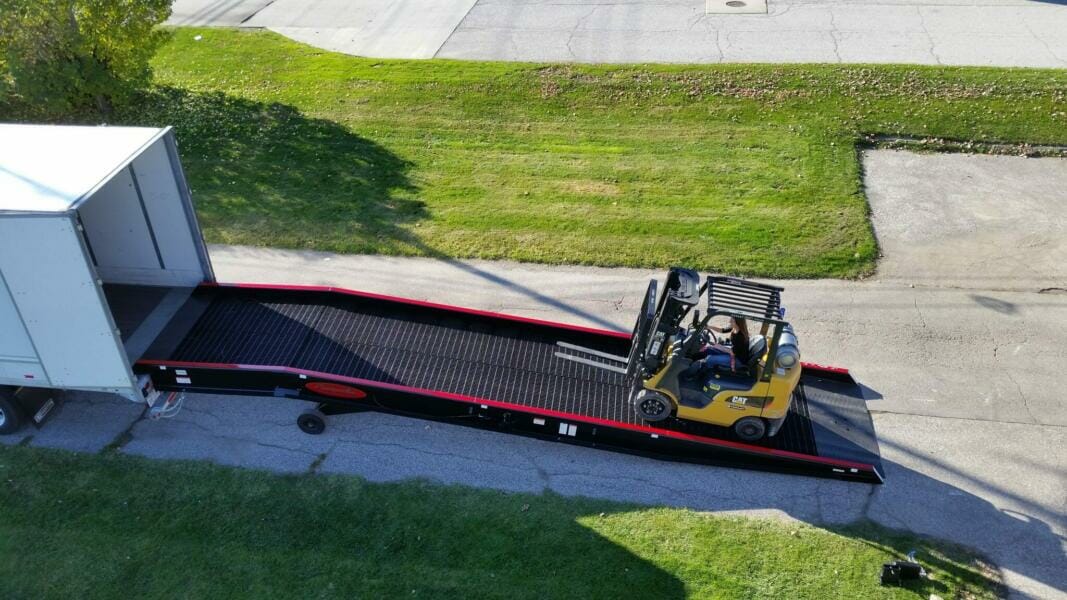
{"x":741,"y":402}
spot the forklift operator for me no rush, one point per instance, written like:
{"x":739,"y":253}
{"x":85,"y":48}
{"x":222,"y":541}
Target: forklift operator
{"x":717,"y":355}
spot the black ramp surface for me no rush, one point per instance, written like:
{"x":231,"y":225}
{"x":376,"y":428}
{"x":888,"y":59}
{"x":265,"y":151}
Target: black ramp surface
{"x":420,"y":347}
{"x":841,"y":424}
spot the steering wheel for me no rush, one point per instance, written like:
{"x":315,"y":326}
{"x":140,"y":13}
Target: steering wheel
{"x":707,"y":337}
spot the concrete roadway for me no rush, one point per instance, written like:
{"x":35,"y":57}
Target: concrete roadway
{"x":1026,"y":33}
{"x":960,"y":339}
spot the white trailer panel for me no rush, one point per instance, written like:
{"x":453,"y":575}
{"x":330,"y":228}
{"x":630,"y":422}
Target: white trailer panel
{"x":61,"y":305}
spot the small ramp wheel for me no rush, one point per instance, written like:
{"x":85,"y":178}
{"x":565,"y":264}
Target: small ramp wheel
{"x":651,"y":406}
{"x":11,"y":417}
{"x":750,"y":429}
{"x":311,"y":422}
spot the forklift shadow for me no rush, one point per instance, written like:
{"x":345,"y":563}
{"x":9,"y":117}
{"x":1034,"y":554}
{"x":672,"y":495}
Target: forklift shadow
{"x":869,"y":393}
{"x":513,"y":286}
{"x":995,"y":304}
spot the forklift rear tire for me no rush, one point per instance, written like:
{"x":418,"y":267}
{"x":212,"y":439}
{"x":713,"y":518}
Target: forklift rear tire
{"x":750,"y":429}
{"x":652,"y":406}
{"x":311,"y":422}
{"x":11,"y":417}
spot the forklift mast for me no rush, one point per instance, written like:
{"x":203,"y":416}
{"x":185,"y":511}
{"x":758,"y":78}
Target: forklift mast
{"x":661,"y":317}
{"x":655,"y":327}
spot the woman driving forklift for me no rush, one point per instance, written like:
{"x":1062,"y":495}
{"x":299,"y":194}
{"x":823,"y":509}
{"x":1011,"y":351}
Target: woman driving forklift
{"x":714,"y":354}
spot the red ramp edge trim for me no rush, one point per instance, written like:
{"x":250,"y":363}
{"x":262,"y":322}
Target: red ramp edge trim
{"x":817,"y":367}
{"x":460,"y":309}
{"x":518,"y":407}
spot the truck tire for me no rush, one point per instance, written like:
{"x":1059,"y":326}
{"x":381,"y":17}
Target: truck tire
{"x":652,"y":406}
{"x":11,"y":416}
{"x":750,"y":429}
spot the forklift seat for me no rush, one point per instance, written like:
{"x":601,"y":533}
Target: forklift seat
{"x":757,"y":347}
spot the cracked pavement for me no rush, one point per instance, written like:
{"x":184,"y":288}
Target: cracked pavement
{"x":956,"y":342}
{"x":1024,"y":33}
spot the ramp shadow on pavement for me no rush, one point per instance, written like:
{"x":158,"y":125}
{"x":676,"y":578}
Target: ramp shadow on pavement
{"x":1018,"y":536}
{"x":260,"y":433}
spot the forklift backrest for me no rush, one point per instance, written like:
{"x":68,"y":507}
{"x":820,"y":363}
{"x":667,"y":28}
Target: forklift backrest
{"x":757,"y":347}
{"x":683,"y":285}
{"x":680,"y":296}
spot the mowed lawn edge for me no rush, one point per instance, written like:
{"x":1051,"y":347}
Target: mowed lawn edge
{"x":739,"y":169}
{"x":110,"y":525}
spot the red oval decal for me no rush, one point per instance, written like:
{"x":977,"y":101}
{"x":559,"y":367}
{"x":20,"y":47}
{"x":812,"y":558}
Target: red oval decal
{"x":335,"y":390}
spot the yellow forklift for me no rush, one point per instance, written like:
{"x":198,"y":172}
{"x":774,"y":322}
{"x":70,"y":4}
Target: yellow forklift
{"x":753,"y":398}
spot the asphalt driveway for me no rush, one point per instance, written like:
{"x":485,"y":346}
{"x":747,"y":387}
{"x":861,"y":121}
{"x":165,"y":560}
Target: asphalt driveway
{"x":1025,"y":33}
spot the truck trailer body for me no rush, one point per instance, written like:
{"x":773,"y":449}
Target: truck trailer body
{"x":85,"y":210}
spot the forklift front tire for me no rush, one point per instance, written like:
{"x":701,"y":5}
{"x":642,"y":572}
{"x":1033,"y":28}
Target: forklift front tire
{"x":311,"y":422}
{"x":750,"y":429}
{"x":10,"y":413}
{"x":652,"y":406}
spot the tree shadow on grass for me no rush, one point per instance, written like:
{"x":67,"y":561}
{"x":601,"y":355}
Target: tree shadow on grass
{"x":220,"y":532}
{"x":266,"y":174}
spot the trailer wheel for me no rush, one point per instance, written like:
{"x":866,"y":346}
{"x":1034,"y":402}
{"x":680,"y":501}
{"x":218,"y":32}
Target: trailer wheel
{"x":750,"y":429}
{"x":311,"y":422}
{"x":652,"y":406}
{"x":10,"y":413}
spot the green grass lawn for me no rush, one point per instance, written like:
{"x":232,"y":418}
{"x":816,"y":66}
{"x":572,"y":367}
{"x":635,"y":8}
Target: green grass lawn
{"x":742,"y":169}
{"x":111,"y":526}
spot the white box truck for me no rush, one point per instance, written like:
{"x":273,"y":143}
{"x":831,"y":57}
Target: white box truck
{"x":99,"y":246}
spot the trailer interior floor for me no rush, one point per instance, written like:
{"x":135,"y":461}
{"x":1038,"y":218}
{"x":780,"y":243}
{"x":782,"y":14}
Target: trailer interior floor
{"x":141,"y":312}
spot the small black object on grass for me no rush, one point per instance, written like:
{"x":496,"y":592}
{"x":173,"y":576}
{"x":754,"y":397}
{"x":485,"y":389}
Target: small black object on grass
{"x":899,"y":571}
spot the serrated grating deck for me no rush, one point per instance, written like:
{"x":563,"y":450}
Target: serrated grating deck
{"x":461,"y":354}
